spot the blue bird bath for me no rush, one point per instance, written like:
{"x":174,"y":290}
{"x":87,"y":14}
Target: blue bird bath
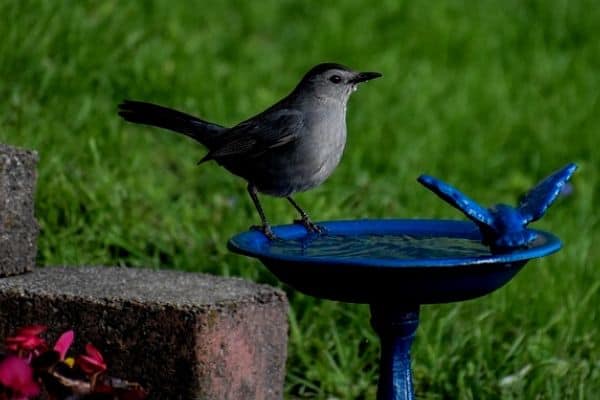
{"x":395,"y":266}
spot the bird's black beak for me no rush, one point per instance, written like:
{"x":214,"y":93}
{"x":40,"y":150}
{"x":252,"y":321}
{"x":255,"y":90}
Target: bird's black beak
{"x":365,"y":76}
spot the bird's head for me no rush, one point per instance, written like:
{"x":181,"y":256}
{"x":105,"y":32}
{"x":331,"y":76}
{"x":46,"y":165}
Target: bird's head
{"x":333,"y":82}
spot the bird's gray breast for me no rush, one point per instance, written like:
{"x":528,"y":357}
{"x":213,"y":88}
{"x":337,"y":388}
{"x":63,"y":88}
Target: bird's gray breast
{"x":323,"y":149}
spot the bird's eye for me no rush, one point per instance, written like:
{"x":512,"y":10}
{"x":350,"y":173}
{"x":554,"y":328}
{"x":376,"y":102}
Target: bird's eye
{"x":336,"y":79}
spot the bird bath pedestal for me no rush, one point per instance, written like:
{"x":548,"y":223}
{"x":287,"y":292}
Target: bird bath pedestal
{"x":394,"y":266}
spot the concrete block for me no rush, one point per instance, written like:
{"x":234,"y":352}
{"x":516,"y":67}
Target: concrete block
{"x":181,"y":335}
{"x":18,"y":228}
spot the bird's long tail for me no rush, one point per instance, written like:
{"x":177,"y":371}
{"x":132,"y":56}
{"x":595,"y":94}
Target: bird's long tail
{"x":141,"y":112}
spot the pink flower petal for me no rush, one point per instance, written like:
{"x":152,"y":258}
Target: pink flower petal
{"x":27,"y":339}
{"x":17,"y":375}
{"x":63,"y":343}
{"x":93,"y":352}
{"x":32,"y":342}
{"x":33,"y":330}
{"x":90,"y":365}
{"x":92,"y":362}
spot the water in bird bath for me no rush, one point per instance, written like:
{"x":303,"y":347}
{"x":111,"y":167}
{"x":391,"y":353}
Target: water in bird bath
{"x":380,"y":246}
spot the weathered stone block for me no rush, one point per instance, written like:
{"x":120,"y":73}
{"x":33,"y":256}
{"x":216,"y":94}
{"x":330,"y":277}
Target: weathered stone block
{"x":18,"y":228}
{"x":182,"y":335}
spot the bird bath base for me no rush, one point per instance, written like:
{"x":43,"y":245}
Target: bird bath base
{"x":395,"y":266}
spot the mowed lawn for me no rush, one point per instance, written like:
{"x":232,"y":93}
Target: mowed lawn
{"x":491,"y":96}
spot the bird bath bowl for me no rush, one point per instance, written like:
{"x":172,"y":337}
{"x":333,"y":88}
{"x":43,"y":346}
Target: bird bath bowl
{"x":395,"y":266}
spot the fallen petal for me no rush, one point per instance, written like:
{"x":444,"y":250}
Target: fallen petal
{"x":64,"y":343}
{"x":17,"y":375}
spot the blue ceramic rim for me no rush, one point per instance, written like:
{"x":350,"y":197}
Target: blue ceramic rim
{"x":255,"y":244}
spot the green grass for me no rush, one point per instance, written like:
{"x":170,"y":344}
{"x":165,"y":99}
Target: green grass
{"x":488,"y":95}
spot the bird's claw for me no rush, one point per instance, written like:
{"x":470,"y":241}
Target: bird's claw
{"x":309,"y":225}
{"x":265,"y":229}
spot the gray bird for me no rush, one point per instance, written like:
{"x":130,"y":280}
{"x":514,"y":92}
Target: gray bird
{"x":290,"y":147}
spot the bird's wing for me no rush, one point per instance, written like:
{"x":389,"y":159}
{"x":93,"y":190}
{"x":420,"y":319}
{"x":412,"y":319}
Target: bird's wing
{"x":257,"y":135}
{"x":535,"y":203}
{"x":459,"y":200}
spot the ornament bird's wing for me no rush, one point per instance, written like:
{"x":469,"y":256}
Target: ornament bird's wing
{"x":536,"y":202}
{"x":459,"y":200}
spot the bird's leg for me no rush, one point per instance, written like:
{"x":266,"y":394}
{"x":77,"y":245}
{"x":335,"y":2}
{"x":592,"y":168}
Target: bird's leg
{"x":265,"y":227}
{"x":304,"y":218}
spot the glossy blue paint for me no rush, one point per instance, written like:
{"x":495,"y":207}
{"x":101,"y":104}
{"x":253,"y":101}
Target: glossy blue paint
{"x":504,"y":227}
{"x":394,"y":287}
{"x":396,"y":327}
{"x":422,"y":280}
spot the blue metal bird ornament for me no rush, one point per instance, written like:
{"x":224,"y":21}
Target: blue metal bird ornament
{"x":504,"y":227}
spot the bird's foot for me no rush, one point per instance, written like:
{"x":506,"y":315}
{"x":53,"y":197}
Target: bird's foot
{"x":309,"y":225}
{"x":265,"y":229}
